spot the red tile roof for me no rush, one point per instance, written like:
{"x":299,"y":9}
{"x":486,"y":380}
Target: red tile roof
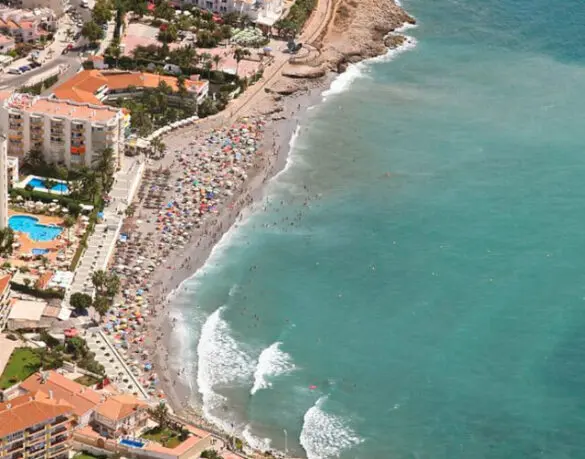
{"x":28,"y":410}
{"x":4,"y":283}
{"x":77,"y":395}
{"x":83,"y":86}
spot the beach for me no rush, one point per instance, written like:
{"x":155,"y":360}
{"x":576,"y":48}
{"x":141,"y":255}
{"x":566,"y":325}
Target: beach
{"x":174,"y":241}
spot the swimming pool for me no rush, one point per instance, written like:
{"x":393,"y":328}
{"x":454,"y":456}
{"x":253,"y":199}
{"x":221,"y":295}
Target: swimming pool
{"x":40,"y":251}
{"x":37,"y":183}
{"x":132,"y":443}
{"x":35,"y":230}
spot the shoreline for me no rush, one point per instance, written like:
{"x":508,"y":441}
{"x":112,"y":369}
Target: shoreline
{"x":283,"y":115}
{"x":278,"y":134}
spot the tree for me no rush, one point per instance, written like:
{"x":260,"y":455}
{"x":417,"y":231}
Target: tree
{"x":68,"y":222}
{"x":77,"y":347}
{"x":102,"y":13}
{"x":182,"y":89}
{"x":160,"y":414}
{"x":35,"y":159}
{"x":207,"y":65}
{"x":217,"y":60}
{"x":239,"y":54}
{"x":210,"y":454}
{"x":168,"y":33}
{"x":6,"y":241}
{"x":80,"y":301}
{"x":27,"y":281}
{"x":158,"y":145}
{"x":50,"y":184}
{"x":101,"y":304}
{"x":99,"y":279}
{"x":92,"y":31}
{"x":112,"y":285}
{"x":164,"y":11}
{"x":106,"y":166}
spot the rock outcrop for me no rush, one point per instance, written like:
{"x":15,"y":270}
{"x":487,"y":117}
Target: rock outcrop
{"x":360,"y":30}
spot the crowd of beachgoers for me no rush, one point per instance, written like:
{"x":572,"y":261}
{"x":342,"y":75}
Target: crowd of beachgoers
{"x":177,"y":206}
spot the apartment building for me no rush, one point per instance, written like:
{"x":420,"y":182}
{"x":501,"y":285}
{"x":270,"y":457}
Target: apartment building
{"x":4,"y":300}
{"x":120,"y":415}
{"x":67,"y":132}
{"x":35,"y":426}
{"x":261,"y":11}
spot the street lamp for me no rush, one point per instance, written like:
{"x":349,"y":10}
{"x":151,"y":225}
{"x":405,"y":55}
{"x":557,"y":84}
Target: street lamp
{"x":285,"y":442}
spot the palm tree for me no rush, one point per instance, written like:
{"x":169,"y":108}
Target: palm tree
{"x":158,"y":145}
{"x":160,"y":414}
{"x":239,"y":54}
{"x":49,"y":184}
{"x":106,"y":166}
{"x":6,"y":241}
{"x":68,"y":223}
{"x":217,"y":60}
{"x":208,"y":66}
{"x":99,"y":279}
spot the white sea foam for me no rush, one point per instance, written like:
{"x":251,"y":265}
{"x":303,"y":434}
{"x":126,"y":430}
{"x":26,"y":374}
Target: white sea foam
{"x":360,"y":70}
{"x":325,"y":435}
{"x":289,"y":157}
{"x":261,"y":444}
{"x":221,"y":361}
{"x":272,"y":362}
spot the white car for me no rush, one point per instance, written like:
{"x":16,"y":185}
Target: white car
{"x":84,"y":4}
{"x":14,"y":71}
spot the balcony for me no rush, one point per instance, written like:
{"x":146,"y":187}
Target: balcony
{"x":59,"y":439}
{"x":58,"y":450}
{"x":37,"y":447}
{"x":16,"y":447}
{"x":59,"y":420}
{"x":60,"y":429}
{"x":57,"y":139}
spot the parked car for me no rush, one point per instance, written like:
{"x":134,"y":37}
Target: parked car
{"x":34,"y":65}
{"x":14,"y":71}
{"x":24,"y":68}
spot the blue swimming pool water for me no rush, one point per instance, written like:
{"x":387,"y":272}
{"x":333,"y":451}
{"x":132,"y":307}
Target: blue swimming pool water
{"x":38,"y":183}
{"x":40,"y":251}
{"x":33,"y":228}
{"x":132,"y":443}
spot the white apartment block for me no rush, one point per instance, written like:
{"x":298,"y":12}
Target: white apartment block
{"x":262,"y":11}
{"x":70,"y":133}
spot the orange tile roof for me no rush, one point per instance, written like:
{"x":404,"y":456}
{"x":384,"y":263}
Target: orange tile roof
{"x":27,"y":410}
{"x":118,"y":407}
{"x":77,"y":395}
{"x":4,"y":283}
{"x":83,"y":86}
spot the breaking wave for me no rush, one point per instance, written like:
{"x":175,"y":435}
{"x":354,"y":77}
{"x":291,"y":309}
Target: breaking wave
{"x":220,"y":361}
{"x":272,"y":362}
{"x":325,"y":435}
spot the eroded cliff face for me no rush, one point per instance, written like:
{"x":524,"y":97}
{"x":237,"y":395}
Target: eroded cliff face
{"x":359,"y":30}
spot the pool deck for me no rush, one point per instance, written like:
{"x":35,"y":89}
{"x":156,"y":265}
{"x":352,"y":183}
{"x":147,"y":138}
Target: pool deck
{"x":23,"y":183}
{"x":27,"y":244}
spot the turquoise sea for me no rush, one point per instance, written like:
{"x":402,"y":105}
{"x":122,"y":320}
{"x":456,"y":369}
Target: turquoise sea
{"x":415,"y":287}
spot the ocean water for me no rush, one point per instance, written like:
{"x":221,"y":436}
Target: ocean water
{"x":412,"y":287}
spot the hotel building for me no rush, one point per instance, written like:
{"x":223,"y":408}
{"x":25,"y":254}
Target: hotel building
{"x":4,"y":300}
{"x":67,"y":132}
{"x":35,"y":426}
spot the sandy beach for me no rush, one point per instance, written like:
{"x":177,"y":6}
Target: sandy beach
{"x":179,"y":242}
